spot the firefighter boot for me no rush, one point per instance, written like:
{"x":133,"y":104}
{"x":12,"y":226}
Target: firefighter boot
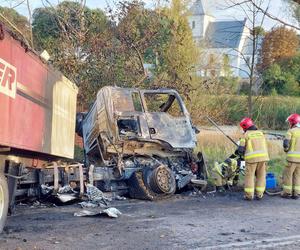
{"x":295,"y":196}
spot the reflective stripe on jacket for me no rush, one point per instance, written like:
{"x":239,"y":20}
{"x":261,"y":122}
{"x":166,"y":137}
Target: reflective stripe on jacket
{"x":255,"y":145}
{"x":293,"y":154}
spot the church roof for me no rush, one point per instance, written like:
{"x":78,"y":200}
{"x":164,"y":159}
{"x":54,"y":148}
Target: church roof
{"x":225,"y":34}
{"x":197,"y":8}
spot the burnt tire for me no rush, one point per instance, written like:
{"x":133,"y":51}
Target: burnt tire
{"x":139,"y":187}
{"x":4,"y":200}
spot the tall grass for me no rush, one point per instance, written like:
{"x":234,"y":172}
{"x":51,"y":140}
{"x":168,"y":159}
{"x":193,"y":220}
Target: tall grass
{"x":215,"y":146}
{"x":269,"y":112}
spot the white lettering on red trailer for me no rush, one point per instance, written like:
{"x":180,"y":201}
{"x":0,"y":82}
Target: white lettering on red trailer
{"x":8,"y":79}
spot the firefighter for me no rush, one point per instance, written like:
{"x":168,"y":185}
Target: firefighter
{"x":226,"y":173}
{"x":253,"y":146}
{"x":291,"y":145}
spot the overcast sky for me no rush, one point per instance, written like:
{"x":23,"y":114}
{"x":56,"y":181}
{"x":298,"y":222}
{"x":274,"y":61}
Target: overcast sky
{"x":217,"y":8}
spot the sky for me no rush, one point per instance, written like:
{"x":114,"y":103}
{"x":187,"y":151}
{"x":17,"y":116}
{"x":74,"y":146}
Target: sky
{"x":218,"y":8}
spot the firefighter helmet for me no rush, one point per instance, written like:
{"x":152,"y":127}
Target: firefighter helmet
{"x":246,"y":123}
{"x":293,"y":119}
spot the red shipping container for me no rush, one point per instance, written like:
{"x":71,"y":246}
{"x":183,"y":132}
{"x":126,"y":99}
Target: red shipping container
{"x":37,"y":103}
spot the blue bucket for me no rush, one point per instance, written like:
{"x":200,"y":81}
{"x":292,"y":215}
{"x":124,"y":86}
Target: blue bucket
{"x":271,"y":181}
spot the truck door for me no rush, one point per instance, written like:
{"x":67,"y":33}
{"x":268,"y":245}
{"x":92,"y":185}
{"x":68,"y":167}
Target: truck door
{"x":168,"y":119}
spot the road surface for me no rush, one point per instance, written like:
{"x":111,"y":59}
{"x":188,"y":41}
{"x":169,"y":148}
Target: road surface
{"x":183,"y":222}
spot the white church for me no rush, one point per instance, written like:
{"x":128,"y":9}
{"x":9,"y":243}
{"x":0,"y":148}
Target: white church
{"x":223,"y":41}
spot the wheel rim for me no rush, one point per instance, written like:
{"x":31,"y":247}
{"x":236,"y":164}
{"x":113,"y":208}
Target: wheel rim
{"x":1,"y":201}
{"x":162,"y":180}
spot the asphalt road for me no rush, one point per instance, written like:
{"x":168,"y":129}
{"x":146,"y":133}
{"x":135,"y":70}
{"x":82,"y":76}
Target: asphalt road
{"x":211,"y":222}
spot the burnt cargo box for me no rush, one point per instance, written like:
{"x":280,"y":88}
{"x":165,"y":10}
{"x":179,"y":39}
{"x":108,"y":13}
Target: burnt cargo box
{"x":37,"y":103}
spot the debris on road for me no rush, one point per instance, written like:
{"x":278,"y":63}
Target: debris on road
{"x":110,"y":212}
{"x":36,"y":204}
{"x":45,"y":189}
{"x":66,"y":189}
{"x":84,"y":213}
{"x":87,"y":204}
{"x":64,"y":194}
{"x":96,"y":196}
{"x":119,"y":198}
{"x":64,"y":198}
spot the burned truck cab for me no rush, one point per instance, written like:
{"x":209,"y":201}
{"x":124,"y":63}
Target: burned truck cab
{"x":143,"y":138}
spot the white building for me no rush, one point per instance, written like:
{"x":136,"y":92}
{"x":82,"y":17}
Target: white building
{"x":222,"y":40}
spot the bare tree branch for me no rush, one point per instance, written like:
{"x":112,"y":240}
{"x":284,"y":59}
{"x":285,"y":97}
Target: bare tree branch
{"x":18,"y":4}
{"x":274,"y":17}
{"x":30,"y":21}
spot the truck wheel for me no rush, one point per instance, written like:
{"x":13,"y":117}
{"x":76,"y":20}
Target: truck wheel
{"x":152,"y":184}
{"x":4,"y":200}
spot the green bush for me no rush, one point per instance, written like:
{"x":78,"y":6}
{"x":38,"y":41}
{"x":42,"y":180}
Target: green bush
{"x":283,"y":76}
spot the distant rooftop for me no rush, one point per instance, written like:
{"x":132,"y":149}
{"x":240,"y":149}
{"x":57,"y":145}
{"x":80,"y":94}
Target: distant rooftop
{"x":200,"y":7}
{"x":225,"y":34}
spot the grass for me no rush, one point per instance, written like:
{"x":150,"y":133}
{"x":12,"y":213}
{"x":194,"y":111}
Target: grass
{"x":215,"y":146}
{"x":269,"y":112}
{"x":276,"y":166}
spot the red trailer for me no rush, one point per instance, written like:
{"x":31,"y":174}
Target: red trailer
{"x":37,"y":111}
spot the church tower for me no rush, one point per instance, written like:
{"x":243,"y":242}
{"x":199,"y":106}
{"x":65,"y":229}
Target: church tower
{"x":199,"y":19}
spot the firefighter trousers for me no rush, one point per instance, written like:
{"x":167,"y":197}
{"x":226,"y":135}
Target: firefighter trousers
{"x":291,"y":178}
{"x":252,"y":185}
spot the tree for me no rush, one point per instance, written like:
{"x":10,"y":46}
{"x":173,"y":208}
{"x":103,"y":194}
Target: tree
{"x":265,"y":11}
{"x":181,"y":55}
{"x":279,"y":81}
{"x":96,"y":50}
{"x":68,"y":32}
{"x":161,"y":38}
{"x":295,"y":9}
{"x":255,"y":17}
{"x":142,"y":36}
{"x":283,"y":77}
{"x":16,"y":22}
{"x":279,"y":44}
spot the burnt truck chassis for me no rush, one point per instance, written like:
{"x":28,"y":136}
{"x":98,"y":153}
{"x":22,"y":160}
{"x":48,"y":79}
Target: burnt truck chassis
{"x":141,"y":141}
{"x":27,"y":176}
